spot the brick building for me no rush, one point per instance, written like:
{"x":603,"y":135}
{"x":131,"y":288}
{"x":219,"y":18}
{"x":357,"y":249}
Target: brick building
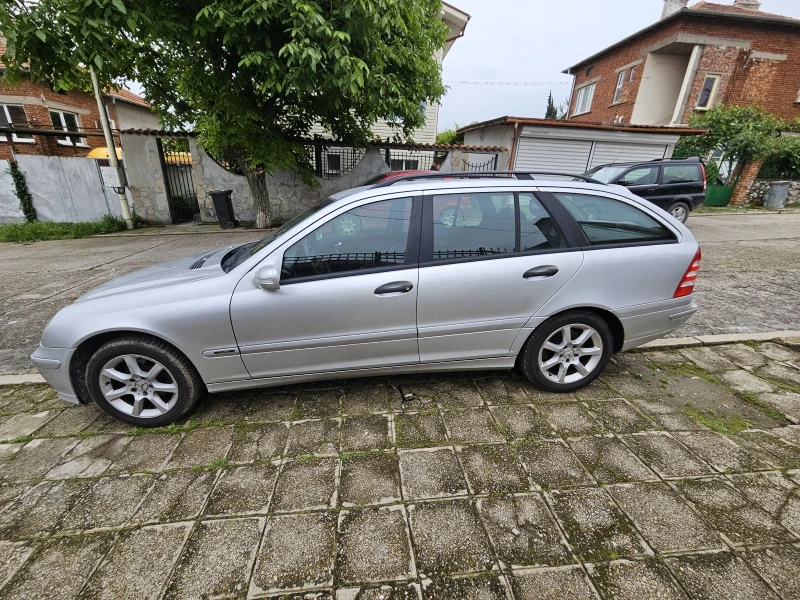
{"x":34,"y":105}
{"x":692,"y":59}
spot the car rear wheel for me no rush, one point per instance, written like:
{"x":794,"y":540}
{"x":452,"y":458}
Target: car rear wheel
{"x":679,"y":210}
{"x":567,"y":352}
{"x":347,"y":225}
{"x":143,"y":381}
{"x":449,"y":217}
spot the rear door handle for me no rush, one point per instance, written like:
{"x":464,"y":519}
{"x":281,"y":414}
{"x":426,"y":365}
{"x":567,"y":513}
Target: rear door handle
{"x":546,"y":271}
{"x":395,"y":287}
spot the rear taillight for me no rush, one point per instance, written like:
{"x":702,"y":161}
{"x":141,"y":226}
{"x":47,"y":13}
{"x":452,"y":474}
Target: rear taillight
{"x":703,"y":169}
{"x":686,"y":286}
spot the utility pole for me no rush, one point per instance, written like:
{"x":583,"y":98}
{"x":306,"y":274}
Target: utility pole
{"x":112,"y":151}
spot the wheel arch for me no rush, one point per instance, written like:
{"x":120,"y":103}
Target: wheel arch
{"x":88,"y":346}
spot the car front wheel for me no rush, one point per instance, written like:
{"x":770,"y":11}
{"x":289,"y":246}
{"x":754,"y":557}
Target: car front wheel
{"x":143,"y":381}
{"x":567,"y":352}
{"x":679,"y":210}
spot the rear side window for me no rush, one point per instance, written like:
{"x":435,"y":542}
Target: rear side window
{"x":482,"y":224}
{"x":681,"y":174}
{"x":640,"y":176}
{"x":606,"y":221}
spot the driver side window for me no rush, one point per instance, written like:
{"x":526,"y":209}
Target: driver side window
{"x":366,"y":237}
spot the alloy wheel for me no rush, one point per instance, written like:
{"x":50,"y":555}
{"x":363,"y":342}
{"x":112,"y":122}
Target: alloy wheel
{"x":138,"y":386}
{"x":679,"y":212}
{"x":570,"y":353}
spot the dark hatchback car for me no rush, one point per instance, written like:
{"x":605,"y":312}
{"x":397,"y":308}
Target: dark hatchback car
{"x":677,"y":186}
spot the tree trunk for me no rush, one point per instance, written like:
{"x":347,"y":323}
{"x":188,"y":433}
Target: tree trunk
{"x":257,"y":181}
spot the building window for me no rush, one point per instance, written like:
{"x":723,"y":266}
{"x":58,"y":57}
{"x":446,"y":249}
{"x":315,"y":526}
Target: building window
{"x":632,"y":75}
{"x":14,"y":115}
{"x":67,"y":121}
{"x":618,"y":91}
{"x":334,"y":164}
{"x":707,"y":92}
{"x":583,"y":102}
{"x":404,"y":164}
{"x":589,"y":71}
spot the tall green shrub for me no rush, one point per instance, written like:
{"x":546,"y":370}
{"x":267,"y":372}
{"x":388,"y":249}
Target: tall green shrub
{"x":21,"y":189}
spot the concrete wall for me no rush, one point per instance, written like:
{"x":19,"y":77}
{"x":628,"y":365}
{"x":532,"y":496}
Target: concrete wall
{"x":661,"y":85}
{"x":130,"y":116}
{"x":498,"y":135}
{"x":145,"y":178}
{"x":9,"y":203}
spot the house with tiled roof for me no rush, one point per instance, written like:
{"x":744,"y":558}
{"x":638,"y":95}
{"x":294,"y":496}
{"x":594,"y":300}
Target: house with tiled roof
{"x":35,"y":106}
{"x":693,"y":58}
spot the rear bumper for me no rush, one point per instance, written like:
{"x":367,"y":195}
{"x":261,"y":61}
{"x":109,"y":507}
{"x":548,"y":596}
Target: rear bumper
{"x":53,"y":364}
{"x":650,"y":322}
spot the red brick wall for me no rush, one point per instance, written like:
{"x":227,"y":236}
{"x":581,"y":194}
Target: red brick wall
{"x":773,"y":84}
{"x":38,"y":115}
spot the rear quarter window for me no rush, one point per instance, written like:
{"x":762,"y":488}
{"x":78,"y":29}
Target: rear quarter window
{"x":681,"y":174}
{"x":606,"y":221}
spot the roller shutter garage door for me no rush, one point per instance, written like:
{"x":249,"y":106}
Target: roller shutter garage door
{"x":609,"y":152}
{"x":568,"y":156}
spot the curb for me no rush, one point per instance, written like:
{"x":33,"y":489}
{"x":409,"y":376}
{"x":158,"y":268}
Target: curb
{"x":717,"y":340}
{"x":662,"y":344}
{"x":257,"y":233}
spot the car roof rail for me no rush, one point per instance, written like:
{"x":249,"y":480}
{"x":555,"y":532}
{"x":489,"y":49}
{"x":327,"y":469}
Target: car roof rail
{"x":522,"y":175}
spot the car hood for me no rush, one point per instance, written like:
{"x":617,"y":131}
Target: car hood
{"x":181,"y":270}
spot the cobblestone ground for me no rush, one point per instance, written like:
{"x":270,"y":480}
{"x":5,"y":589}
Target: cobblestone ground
{"x":677,"y":475}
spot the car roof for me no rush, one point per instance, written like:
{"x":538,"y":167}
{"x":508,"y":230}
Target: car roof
{"x":655,"y":161}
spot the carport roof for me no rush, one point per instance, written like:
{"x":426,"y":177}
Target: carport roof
{"x":582,"y":125}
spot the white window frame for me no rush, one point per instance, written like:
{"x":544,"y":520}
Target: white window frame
{"x":712,"y":95}
{"x":67,"y":141}
{"x":618,"y":90}
{"x":580,"y":99}
{"x":798,"y":95}
{"x":632,"y":75}
{"x":14,"y":137}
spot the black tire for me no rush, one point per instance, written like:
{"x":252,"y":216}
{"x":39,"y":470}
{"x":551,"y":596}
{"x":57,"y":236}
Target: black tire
{"x":190,"y":386}
{"x":529,"y":357}
{"x":679,"y":210}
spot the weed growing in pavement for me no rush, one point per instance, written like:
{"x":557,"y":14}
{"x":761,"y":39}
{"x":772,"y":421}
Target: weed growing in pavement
{"x":215,"y":465}
{"x":717,"y":422}
{"x":23,"y":439}
{"x":768,"y":410}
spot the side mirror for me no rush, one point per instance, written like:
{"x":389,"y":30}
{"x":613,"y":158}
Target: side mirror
{"x":267,"y":278}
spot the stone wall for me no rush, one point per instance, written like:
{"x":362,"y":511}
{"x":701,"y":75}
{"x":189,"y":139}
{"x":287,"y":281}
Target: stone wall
{"x":760,"y":187}
{"x":289,"y":195}
{"x":145,"y":178}
{"x":209,"y":176}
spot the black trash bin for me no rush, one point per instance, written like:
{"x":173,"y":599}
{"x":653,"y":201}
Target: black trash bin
{"x":223,"y":206}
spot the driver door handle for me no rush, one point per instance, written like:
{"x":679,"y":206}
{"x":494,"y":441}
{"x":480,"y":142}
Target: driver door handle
{"x":546,"y":271}
{"x":395,"y":287}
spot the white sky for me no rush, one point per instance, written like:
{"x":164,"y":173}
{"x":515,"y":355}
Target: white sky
{"x":534,"y":40}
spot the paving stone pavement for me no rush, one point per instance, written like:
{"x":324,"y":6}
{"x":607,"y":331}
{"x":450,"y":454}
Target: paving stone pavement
{"x":676,"y":475}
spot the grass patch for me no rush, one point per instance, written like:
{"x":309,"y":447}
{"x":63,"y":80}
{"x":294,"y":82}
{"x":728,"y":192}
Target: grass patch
{"x":23,"y":439}
{"x":717,"y":422}
{"x":689,"y":370}
{"x":770,"y":411}
{"x":40,"y":230}
{"x":215,"y":465}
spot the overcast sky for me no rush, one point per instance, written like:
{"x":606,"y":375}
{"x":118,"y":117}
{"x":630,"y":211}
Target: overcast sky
{"x":533,"y":41}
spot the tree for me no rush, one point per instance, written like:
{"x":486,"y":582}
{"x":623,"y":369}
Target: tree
{"x":552,"y":110}
{"x":741,"y":133}
{"x":450,"y":136}
{"x":252,"y":77}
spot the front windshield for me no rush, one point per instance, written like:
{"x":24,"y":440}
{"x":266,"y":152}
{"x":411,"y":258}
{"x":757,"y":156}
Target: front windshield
{"x":237,"y":256}
{"x":604,"y":174}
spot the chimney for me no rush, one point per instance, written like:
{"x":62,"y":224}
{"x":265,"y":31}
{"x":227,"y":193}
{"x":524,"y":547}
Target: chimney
{"x":748,"y":4}
{"x":673,"y":6}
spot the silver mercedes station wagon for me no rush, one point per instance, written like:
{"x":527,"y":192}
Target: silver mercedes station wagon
{"x":421,"y":273}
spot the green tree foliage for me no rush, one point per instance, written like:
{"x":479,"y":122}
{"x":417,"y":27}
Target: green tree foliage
{"x":250,"y":76}
{"x":552,"y":110}
{"x":449,"y":136}
{"x":784,"y":161}
{"x":741,"y":133}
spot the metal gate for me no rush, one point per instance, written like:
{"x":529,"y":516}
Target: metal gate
{"x":489,"y":165}
{"x":176,"y":164}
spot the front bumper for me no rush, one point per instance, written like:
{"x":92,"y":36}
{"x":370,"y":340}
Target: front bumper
{"x":53,"y":364}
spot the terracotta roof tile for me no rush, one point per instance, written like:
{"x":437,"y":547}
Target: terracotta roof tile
{"x":735,"y":10}
{"x":128,"y":96}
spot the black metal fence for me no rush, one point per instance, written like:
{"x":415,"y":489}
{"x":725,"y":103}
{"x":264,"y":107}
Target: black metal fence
{"x":330,"y":162}
{"x":414,"y":160}
{"x":176,"y":164}
{"x":304,"y":266}
{"x":479,"y":165}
